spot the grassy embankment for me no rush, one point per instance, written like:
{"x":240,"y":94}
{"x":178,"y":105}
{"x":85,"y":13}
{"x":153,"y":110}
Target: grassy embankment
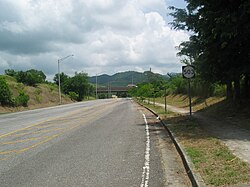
{"x":211,"y":158}
{"x":238,"y":115}
{"x":43,"y":95}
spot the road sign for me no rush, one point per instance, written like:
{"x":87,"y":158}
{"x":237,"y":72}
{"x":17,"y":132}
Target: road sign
{"x":188,"y":72}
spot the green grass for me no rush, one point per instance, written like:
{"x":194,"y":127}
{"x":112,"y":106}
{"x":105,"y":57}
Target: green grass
{"x":175,"y":100}
{"x":211,"y":158}
{"x":89,"y":99}
{"x":4,"y":113}
{"x":158,"y":109}
{"x":196,"y":155}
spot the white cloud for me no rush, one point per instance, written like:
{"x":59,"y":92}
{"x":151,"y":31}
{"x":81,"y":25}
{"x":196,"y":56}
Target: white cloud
{"x":104,"y":36}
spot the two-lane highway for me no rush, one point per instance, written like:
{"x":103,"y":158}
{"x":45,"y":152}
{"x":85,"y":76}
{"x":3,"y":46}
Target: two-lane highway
{"x":98,"y":143}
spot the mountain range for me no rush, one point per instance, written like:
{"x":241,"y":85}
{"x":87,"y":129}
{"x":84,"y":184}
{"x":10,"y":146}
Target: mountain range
{"x":126,"y":78}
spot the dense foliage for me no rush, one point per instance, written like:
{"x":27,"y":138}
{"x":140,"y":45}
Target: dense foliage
{"x":5,"y":93}
{"x":77,"y":87}
{"x":22,"y":99}
{"x":31,"y":77}
{"x":177,"y":85}
{"x":6,"y":96}
{"x":219,"y":46}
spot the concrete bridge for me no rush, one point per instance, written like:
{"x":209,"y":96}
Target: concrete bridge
{"x":116,"y":90}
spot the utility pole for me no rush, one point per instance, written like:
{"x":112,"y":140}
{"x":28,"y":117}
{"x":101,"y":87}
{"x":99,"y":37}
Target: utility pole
{"x":165,"y":100}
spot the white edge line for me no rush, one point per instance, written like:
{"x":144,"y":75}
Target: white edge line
{"x":145,"y":173}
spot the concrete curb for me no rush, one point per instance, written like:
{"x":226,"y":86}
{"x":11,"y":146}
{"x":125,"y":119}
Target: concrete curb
{"x":195,"y":178}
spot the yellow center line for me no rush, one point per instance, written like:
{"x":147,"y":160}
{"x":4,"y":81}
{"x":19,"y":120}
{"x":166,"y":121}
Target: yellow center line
{"x":50,"y":125}
{"x":36,"y":124}
{"x":50,"y":137}
{"x":37,"y":132}
{"x":63,"y":131}
{"x":35,"y":145}
{"x":27,"y":148}
{"x":24,"y":140}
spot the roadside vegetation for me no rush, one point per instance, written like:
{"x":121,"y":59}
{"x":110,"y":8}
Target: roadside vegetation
{"x":22,"y":90}
{"x":211,"y":158}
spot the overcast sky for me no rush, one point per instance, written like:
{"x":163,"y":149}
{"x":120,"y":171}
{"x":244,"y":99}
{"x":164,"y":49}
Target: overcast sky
{"x":105,"y":36}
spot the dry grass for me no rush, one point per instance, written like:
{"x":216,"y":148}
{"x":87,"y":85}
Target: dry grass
{"x":182,"y":101}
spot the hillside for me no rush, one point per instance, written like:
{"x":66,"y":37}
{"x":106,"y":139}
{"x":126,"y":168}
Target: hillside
{"x":43,"y":95}
{"x":125,"y":78}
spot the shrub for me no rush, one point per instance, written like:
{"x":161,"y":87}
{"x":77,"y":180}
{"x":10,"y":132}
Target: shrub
{"x":5,"y":93}
{"x":73,"y":96}
{"x":219,"y":90}
{"x":102,"y":96}
{"x":22,"y":99}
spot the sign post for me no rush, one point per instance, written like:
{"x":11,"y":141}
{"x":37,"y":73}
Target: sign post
{"x":188,"y":73}
{"x":190,"y":100}
{"x":165,"y":100}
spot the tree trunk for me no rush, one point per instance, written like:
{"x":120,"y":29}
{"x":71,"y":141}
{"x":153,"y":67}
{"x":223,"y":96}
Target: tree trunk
{"x":229,"y":90}
{"x":237,"y":92}
{"x":247,"y":86}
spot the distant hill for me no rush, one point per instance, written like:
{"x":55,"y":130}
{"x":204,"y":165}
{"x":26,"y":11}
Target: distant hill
{"x":125,"y":78}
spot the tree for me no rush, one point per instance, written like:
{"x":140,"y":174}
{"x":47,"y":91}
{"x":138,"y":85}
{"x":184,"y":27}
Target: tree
{"x":10,"y":72}
{"x":31,"y":77}
{"x":77,"y":84}
{"x":63,"y":78}
{"x":5,"y":93}
{"x":219,"y":43}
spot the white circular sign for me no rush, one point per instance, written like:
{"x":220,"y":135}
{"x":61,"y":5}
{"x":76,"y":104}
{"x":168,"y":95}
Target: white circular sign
{"x":188,"y":72}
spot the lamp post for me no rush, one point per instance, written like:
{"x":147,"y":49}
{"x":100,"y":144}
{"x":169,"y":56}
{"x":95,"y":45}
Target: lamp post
{"x":59,"y":81}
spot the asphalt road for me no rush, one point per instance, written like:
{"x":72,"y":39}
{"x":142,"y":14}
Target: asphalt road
{"x":98,"y":143}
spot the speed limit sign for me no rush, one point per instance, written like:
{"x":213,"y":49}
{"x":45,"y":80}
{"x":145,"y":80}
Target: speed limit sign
{"x":188,"y":72}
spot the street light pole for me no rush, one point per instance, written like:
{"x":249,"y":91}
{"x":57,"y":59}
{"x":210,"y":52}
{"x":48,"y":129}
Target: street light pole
{"x":59,"y":83}
{"x":59,"y":78}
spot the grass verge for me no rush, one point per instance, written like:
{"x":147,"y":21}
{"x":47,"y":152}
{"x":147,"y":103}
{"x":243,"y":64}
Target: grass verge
{"x":211,"y":158}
